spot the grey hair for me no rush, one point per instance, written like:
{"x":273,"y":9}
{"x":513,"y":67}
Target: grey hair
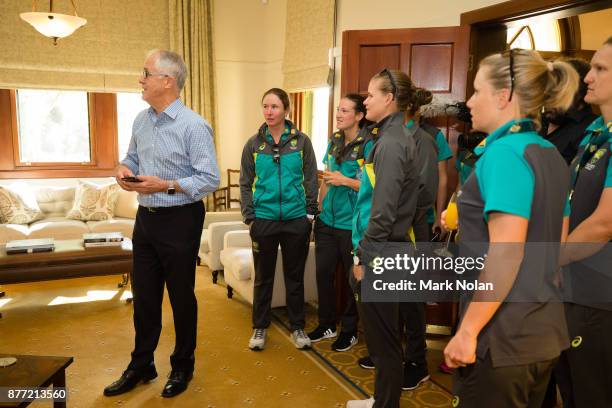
{"x":170,"y":63}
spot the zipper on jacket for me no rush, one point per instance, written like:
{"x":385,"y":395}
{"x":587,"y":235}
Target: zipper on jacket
{"x":280,"y":189}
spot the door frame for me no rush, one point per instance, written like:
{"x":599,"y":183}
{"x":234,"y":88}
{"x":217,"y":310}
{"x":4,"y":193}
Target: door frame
{"x":487,"y":24}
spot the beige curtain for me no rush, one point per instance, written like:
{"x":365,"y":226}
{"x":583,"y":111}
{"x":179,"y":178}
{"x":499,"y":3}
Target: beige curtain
{"x":308,"y":37}
{"x":105,"y":55}
{"x":191,"y":37}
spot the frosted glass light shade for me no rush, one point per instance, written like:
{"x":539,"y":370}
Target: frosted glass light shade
{"x":53,"y":25}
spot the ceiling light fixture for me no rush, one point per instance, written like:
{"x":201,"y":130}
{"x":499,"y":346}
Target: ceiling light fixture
{"x":53,"y":25}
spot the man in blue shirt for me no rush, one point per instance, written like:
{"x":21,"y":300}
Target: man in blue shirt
{"x":171,"y":164}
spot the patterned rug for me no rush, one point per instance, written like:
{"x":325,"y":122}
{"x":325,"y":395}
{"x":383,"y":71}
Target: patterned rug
{"x":432,"y":394}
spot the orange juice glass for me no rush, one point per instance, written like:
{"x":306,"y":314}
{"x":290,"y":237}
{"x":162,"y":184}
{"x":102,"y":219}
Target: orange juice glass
{"x":452,"y":215}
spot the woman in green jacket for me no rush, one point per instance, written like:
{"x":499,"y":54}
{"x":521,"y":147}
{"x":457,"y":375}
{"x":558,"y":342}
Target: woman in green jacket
{"x":278,"y":197}
{"x":344,"y":157}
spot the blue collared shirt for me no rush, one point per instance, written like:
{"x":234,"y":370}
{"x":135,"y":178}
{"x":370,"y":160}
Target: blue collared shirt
{"x":176,"y":145}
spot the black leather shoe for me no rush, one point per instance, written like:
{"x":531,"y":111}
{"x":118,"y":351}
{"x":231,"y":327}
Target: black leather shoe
{"x":177,"y":383}
{"x":129,"y":379}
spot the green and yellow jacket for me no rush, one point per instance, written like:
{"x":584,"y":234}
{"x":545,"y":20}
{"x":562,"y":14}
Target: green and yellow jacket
{"x":278,"y":182}
{"x":339,"y":202}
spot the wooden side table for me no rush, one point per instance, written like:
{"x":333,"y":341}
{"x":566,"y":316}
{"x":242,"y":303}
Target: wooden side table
{"x":35,"y":371}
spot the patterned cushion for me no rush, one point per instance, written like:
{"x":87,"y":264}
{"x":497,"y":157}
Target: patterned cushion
{"x":93,"y":202}
{"x":18,"y":205}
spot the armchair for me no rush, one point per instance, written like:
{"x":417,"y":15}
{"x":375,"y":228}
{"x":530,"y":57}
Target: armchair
{"x":239,"y":272}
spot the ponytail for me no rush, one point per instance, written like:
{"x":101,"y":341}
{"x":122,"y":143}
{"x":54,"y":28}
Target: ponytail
{"x":538,"y":84}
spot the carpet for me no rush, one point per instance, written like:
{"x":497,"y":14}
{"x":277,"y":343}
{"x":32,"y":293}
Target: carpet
{"x":86,"y":318}
{"x":435,"y":393}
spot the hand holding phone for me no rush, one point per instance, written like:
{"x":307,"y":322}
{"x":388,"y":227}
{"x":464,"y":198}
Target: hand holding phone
{"x":131,"y":179}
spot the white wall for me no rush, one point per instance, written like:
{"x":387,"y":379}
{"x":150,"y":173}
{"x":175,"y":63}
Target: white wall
{"x":249,"y":49}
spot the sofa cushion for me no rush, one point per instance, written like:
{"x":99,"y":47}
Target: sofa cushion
{"x":239,"y":262}
{"x":18,"y":205}
{"x":93,"y":202}
{"x":122,"y":225}
{"x":58,"y":228}
{"x":10,"y":232}
{"x":55,"y":201}
{"x":127,"y":204}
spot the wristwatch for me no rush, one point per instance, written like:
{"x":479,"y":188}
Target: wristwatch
{"x":171,"y":190}
{"x":356,"y":260}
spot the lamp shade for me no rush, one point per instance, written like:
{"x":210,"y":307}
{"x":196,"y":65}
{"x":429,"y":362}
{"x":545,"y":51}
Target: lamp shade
{"x":53,"y":25}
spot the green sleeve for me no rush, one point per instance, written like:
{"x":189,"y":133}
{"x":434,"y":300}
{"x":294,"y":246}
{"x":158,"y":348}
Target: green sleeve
{"x":444,"y":150}
{"x":506,"y":182}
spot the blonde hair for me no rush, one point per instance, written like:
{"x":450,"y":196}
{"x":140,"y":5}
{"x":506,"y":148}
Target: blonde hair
{"x":538,"y":84}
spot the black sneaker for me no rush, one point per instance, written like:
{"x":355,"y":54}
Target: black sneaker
{"x":345,"y":342}
{"x":414,"y":375}
{"x":366,"y":362}
{"x":321,"y":333}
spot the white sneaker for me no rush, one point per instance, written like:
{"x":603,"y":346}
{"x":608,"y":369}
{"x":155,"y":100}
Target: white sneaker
{"x":300,"y":339}
{"x":368,"y":403}
{"x":258,"y":340}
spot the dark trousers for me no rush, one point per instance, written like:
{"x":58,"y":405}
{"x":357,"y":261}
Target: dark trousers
{"x":412,"y":325}
{"x":165,"y":244}
{"x":412,"y":319}
{"x":333,"y":245}
{"x":293,"y":237}
{"x":481,"y":385}
{"x":385,"y":349}
{"x":584,"y":370}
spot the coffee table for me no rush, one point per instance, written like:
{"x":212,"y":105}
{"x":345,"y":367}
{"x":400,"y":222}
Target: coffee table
{"x":70,"y":259}
{"x":34,"y":371}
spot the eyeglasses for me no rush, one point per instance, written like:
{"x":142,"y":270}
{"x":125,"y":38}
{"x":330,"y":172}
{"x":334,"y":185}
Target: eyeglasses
{"x":511,"y":53}
{"x":145,"y":74}
{"x":276,"y":156}
{"x":393,"y":84}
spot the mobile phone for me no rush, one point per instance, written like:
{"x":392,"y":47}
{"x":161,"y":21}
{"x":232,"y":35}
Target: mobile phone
{"x":131,"y":179}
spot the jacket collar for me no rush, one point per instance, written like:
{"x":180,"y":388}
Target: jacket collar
{"x":290,"y":130}
{"x":511,"y":127}
{"x":396,"y":118}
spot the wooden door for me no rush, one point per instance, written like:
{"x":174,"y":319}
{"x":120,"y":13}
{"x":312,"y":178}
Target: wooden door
{"x":434,"y":58}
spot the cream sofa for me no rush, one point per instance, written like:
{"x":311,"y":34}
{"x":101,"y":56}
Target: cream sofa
{"x":55,"y":199}
{"x":239,"y":272}
{"x":215,"y":226}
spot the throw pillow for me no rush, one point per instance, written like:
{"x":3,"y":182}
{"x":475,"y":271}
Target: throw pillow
{"x":18,"y":205}
{"x":93,"y":202}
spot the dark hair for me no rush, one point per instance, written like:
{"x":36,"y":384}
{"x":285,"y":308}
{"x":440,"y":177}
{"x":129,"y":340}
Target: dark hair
{"x":608,"y":41}
{"x":408,"y":97}
{"x":421,"y":98}
{"x":359,"y":107}
{"x":282,"y":95}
